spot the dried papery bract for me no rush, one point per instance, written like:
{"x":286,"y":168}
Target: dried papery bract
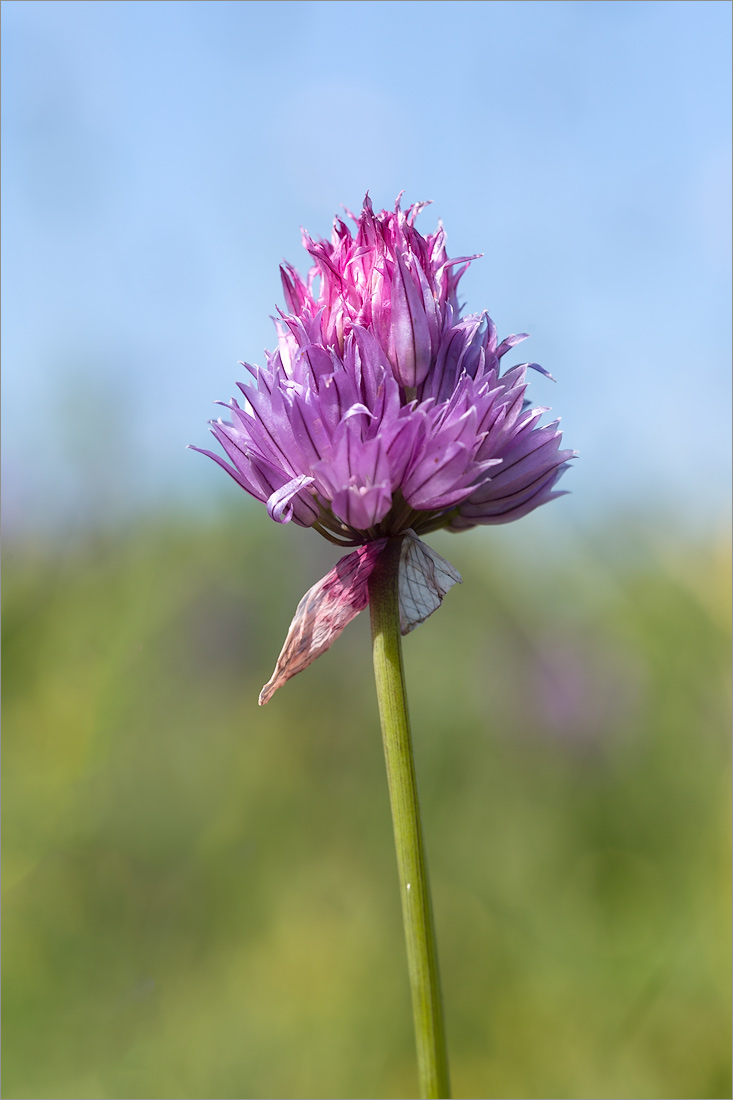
{"x":331,"y":604}
{"x":323,"y":613}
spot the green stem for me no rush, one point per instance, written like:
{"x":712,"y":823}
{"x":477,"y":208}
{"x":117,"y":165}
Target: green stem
{"x":417,"y":913}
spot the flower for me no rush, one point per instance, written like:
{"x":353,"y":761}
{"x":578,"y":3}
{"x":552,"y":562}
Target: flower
{"x":383,"y":411}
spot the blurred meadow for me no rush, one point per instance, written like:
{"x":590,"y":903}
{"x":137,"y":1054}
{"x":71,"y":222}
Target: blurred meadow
{"x":200,"y":896}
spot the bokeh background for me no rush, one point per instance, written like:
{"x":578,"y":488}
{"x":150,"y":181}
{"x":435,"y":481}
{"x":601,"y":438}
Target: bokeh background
{"x":200,"y":896}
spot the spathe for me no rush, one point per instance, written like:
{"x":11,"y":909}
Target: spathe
{"x":331,"y":604}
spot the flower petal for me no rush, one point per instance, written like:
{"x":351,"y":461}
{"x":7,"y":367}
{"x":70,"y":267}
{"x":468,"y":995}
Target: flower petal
{"x":424,"y":579}
{"x":408,"y":331}
{"x":279,"y":503}
{"x":323,"y":613}
{"x":362,"y":506}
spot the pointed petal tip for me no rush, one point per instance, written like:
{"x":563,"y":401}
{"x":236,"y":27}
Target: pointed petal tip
{"x":541,"y":370}
{"x":266,"y":694}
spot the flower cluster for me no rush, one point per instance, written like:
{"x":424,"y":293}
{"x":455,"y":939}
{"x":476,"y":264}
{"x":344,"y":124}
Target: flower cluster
{"x":383,"y":411}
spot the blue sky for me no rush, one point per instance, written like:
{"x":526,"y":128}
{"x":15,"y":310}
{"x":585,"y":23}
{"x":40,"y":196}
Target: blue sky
{"x":159,"y":159}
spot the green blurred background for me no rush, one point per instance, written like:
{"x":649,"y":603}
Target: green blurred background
{"x":201,"y":896}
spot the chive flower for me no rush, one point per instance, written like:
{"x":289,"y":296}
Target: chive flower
{"x":382,"y":415}
{"x":383,"y":412}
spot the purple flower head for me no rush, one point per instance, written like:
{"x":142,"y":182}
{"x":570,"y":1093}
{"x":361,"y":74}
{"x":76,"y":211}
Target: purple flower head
{"x":383,"y":412}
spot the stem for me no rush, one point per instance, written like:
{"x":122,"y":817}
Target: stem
{"x":417,"y":913}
